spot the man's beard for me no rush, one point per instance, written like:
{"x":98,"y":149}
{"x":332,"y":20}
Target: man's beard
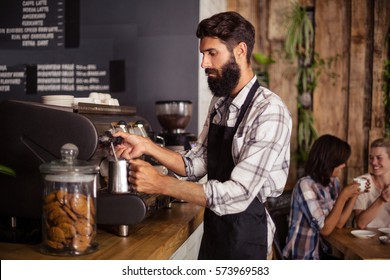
{"x":223,"y":84}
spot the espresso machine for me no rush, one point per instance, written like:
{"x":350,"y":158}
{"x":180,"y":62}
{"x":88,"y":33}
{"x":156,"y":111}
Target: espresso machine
{"x":174,"y":117}
{"x":33,"y":134}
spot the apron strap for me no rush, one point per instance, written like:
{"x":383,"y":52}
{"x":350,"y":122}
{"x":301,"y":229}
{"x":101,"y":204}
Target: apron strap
{"x":245,"y":106}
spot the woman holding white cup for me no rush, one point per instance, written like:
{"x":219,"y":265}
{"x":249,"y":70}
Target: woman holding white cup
{"x":372,"y":209}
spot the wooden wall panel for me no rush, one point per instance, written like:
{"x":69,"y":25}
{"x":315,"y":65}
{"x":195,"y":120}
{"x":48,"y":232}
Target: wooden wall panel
{"x":262,"y":34}
{"x":381,"y":32}
{"x":331,"y":40}
{"x":358,"y":77}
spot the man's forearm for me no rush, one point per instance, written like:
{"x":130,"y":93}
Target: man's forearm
{"x":170,"y":159}
{"x":184,"y":190}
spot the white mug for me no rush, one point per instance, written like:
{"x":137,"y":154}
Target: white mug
{"x":362,"y":183}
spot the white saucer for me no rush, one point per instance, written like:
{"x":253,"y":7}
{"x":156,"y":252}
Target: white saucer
{"x":57,"y":97}
{"x":59,"y":103}
{"x":83,"y":100}
{"x":363,"y":234}
{"x":58,"y":100}
{"x":384,"y":230}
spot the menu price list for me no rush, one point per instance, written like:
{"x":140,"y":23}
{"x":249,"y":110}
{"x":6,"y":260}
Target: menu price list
{"x":53,"y":78}
{"x":32,"y":24}
{"x":71,"y":77}
{"x":12,"y":77}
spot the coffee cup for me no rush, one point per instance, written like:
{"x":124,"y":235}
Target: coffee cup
{"x":362,"y":183}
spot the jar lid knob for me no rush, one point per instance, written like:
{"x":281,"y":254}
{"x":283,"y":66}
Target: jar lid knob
{"x":69,"y":152}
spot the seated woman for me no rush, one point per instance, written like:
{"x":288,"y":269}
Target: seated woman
{"x":318,"y":204}
{"x":372,"y":209}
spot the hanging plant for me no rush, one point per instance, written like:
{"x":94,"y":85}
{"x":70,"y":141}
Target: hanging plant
{"x":306,"y":133}
{"x":300,"y":34}
{"x":299,"y":44}
{"x":261,"y":69}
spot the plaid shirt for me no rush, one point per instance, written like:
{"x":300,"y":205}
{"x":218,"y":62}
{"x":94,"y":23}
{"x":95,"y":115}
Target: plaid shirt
{"x":260,"y":150}
{"x":311,"y":203}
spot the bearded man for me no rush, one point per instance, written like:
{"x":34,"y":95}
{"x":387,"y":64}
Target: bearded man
{"x":244,"y":148}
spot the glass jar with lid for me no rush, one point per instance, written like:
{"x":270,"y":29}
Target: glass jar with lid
{"x":69,"y":205}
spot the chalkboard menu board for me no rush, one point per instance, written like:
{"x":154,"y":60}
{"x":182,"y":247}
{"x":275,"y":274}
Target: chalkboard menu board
{"x":41,"y":78}
{"x":35,"y":25}
{"x":38,"y":24}
{"x":12,"y":77}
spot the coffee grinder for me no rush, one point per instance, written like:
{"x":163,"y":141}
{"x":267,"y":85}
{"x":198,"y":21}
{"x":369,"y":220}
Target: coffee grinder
{"x":174,"y":116}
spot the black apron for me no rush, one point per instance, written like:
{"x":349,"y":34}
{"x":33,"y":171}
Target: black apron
{"x":234,"y":236}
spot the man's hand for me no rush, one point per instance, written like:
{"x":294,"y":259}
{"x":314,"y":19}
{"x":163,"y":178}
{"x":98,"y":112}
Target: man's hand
{"x":132,"y":146}
{"x":144,"y":177}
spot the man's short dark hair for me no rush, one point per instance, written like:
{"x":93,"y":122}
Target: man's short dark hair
{"x":231,"y":28}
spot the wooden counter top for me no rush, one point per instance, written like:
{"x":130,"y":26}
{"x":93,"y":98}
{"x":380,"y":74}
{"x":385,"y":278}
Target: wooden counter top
{"x":157,"y":237}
